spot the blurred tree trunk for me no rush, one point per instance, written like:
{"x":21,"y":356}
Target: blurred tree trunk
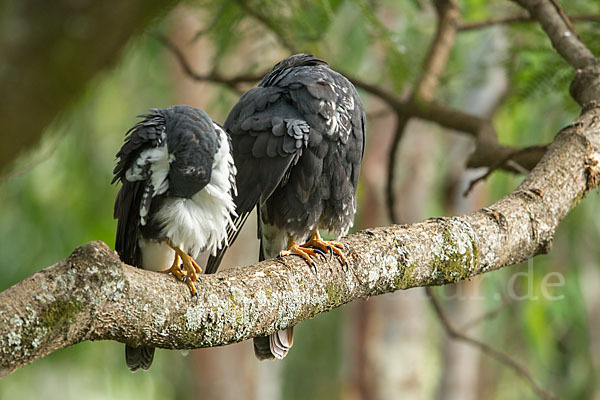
{"x":50,"y":51}
{"x":590,"y":282}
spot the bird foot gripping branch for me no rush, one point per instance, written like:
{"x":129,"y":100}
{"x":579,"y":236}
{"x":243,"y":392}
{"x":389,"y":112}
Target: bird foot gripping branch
{"x":192,"y":269}
{"x":327,"y":246}
{"x":313,"y":246}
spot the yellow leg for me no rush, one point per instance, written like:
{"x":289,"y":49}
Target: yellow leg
{"x":175,"y":269}
{"x":192,"y":269}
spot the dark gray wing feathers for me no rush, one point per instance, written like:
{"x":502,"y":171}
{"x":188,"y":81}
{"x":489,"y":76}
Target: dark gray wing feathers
{"x":128,"y":214}
{"x":144,"y":135}
{"x":265,"y":144}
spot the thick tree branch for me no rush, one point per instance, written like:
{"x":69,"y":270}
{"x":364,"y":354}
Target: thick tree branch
{"x":560,"y":31}
{"x":92,"y":296}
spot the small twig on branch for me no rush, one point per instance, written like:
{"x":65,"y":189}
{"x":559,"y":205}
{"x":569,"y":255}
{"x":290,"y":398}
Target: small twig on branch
{"x":510,"y":162}
{"x":487,"y":349}
{"x":214,"y":76}
{"x":517,"y":167}
{"x":485,"y":316}
{"x":480,"y":178}
{"x":469,"y":26}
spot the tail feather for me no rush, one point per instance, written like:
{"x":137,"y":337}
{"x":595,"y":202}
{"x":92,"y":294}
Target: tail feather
{"x":139,"y":357}
{"x":274,"y":346}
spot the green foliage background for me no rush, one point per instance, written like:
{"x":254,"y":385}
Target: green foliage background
{"x":60,"y":196}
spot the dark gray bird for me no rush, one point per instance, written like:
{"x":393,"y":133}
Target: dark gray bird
{"x":176,"y":198}
{"x":298,"y":141}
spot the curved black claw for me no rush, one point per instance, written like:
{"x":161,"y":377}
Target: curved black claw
{"x":330,"y":251}
{"x":320,"y":252}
